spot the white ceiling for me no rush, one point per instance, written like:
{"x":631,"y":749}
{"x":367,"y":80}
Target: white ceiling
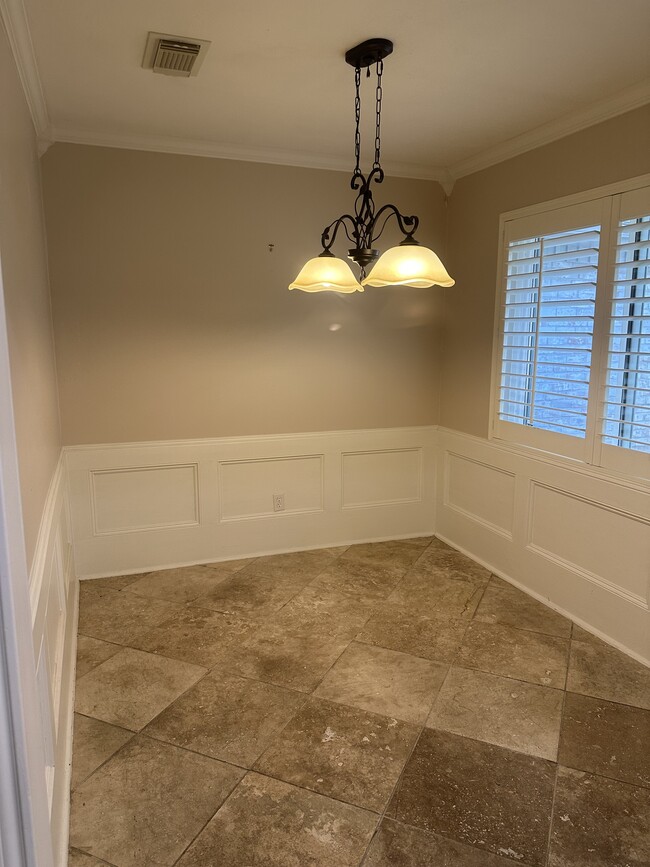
{"x":470,"y":81}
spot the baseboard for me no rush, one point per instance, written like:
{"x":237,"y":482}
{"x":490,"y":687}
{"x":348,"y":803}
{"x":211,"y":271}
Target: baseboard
{"x":63,"y":758}
{"x":268,"y":553}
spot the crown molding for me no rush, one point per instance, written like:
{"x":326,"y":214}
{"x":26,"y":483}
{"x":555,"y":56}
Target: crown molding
{"x":626,"y":100}
{"x":14,"y":16}
{"x":202,"y":148}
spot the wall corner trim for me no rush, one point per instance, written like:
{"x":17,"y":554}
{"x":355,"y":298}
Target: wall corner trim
{"x":15,"y":19}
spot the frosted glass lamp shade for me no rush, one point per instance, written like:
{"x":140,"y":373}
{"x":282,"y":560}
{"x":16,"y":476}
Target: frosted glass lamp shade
{"x":409,"y":265}
{"x":326,"y":274}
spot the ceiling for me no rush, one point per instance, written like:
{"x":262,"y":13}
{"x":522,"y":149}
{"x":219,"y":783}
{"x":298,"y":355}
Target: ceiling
{"x":470,"y":81}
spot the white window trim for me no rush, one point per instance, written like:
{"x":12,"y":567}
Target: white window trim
{"x":589,"y":452}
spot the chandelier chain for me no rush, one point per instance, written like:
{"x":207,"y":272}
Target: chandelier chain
{"x":378,"y":98}
{"x":357,"y":118}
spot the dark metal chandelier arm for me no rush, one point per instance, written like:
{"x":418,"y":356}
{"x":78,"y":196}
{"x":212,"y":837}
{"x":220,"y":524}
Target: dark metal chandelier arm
{"x":408,"y":225}
{"x":330,"y":232}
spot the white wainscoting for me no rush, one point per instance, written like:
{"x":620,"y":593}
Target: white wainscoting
{"x":53,"y":597}
{"x":144,"y":506}
{"x":576,"y":538}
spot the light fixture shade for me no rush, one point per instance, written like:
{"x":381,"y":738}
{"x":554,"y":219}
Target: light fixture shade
{"x":409,"y":265}
{"x":326,"y":274}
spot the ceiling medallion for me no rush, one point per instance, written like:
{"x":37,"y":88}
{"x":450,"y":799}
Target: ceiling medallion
{"x":408,"y":264}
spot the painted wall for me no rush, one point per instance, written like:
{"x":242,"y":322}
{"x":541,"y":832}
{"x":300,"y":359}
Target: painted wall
{"x":172,"y":316}
{"x":602,"y":154}
{"x":23,"y":263}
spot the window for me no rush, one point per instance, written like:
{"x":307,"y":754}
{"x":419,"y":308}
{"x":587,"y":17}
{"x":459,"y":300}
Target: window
{"x":572,"y":375}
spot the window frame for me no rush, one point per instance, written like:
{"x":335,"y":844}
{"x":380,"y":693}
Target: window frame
{"x":603,"y":203}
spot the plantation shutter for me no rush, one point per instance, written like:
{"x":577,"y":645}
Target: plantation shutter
{"x":548,"y":330}
{"x":626,"y":408}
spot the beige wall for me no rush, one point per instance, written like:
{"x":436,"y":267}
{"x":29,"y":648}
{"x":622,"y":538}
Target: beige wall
{"x":602,"y":154}
{"x":25,"y":287}
{"x":173,"y":320}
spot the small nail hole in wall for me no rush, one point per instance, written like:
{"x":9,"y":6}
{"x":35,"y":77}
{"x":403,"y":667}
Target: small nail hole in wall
{"x":271,"y":246}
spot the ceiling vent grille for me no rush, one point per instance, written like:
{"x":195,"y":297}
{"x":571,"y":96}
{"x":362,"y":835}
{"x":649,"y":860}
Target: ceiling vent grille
{"x":175,"y":58}
{"x":174,"y":55}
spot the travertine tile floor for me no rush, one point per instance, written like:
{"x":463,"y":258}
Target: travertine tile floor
{"x":389,"y":704}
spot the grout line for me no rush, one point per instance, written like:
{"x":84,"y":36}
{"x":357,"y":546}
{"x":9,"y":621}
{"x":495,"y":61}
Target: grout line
{"x":90,"y":855}
{"x":557,"y":767}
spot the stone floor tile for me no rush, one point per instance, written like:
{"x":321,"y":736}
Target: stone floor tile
{"x":437,"y":595}
{"x":403,"y":629}
{"x":227,"y":717}
{"x":342,"y":752}
{"x":401,"y":553}
{"x":606,"y":738}
{"x":599,"y":822}
{"x":195,"y":635}
{"x":93,"y":742}
{"x":384,"y":681}
{"x":479,"y":794}
{"x":146,"y":804}
{"x":330,"y":610}
{"x":267,"y":823}
{"x":254,"y":594}
{"x":580,"y":634}
{"x":397,"y":845}
{"x":80,"y":859}
{"x":133,"y":687}
{"x":602,"y":671}
{"x":228,"y":567}
{"x":507,"y":605}
{"x":516,"y":653}
{"x":335,"y":551}
{"x":291,"y":651}
{"x":501,"y":711}
{"x":115,"y":582}
{"x":91,"y":652}
{"x":437,"y":558}
{"x":367,"y":581}
{"x":181,"y":585}
{"x":121,"y":616}
{"x":295,"y":566}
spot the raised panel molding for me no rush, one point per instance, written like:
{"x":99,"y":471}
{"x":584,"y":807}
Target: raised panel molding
{"x":133,"y":499}
{"x":246,"y":488}
{"x":605,"y":545}
{"x":480,"y":492}
{"x":381,"y":478}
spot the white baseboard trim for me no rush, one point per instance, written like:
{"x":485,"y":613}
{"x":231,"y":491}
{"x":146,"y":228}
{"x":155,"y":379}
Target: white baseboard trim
{"x":268,"y":553}
{"x":63,"y":759}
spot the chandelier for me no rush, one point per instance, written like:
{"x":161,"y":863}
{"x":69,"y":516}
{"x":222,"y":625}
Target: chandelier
{"x":408,"y":264}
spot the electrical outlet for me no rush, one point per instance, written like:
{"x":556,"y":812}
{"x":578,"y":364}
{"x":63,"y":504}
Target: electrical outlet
{"x":278,"y":502}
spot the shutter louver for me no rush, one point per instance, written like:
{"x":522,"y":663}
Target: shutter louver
{"x":548,"y":330}
{"x":626,"y":413}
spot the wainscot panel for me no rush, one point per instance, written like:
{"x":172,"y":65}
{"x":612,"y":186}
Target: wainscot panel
{"x":579,"y":538}
{"x":53,"y":596}
{"x":337,"y":488}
